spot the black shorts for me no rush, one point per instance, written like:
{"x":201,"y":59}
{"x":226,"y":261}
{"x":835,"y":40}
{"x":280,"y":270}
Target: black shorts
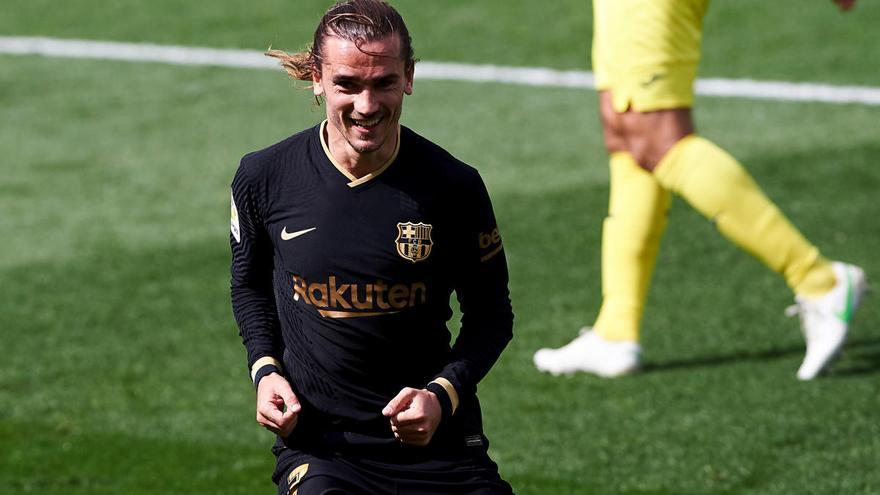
{"x":309,"y":473}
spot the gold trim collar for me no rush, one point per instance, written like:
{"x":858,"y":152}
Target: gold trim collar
{"x":355,"y":181}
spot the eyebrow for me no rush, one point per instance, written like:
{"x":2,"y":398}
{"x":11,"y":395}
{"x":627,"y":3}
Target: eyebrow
{"x":341,"y":78}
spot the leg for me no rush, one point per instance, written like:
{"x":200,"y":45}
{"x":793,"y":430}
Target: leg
{"x":716,"y":185}
{"x":636,"y":218}
{"x":631,"y":234}
{"x":468,"y":471}
{"x":627,"y":40}
{"x":324,"y":485}
{"x":311,"y":475}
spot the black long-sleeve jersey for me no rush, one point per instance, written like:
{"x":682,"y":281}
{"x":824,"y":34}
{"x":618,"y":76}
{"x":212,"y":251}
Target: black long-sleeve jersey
{"x":347,"y":282}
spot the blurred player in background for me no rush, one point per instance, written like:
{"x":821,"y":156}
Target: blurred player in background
{"x":645,"y":57}
{"x":348,"y":239}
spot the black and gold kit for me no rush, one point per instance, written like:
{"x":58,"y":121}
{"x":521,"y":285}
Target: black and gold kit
{"x":346,"y":284}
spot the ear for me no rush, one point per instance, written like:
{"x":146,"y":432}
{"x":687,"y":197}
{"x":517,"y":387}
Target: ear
{"x":408,"y":74}
{"x":317,"y":87}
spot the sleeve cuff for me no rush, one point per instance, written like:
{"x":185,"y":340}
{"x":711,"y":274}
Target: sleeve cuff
{"x":263,"y":367}
{"x":445,"y":391}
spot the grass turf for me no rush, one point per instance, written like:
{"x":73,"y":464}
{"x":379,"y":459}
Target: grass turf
{"x":122,"y":370}
{"x":745,"y":38}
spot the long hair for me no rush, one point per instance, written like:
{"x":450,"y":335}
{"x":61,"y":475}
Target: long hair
{"x":357,"y":21}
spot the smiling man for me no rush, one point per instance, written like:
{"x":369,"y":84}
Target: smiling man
{"x":348,"y":240}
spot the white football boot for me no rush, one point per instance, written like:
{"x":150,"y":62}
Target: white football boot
{"x":825,"y":320}
{"x":590,"y":353}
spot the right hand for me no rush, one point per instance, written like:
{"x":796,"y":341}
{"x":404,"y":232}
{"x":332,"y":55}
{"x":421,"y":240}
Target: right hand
{"x":415,"y":415}
{"x":273,"y":393}
{"x":845,"y":4}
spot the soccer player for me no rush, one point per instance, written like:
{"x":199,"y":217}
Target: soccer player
{"x":348,"y":240}
{"x":645,"y":56}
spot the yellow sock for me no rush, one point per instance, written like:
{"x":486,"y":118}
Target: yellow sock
{"x":631,"y":234}
{"x":717,"y":186}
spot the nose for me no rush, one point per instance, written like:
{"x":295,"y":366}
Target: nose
{"x":366,"y":103}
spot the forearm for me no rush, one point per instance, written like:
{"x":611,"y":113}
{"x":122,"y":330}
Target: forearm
{"x":257,"y":318}
{"x":258,"y":324}
{"x":486,"y":329}
{"x":479,"y":345}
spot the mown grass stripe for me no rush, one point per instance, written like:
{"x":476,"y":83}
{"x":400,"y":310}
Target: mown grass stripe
{"x":530,"y":76}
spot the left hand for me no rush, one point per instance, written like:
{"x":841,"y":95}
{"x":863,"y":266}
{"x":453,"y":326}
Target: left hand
{"x":415,"y":415}
{"x":845,"y":4}
{"x":273,"y":394}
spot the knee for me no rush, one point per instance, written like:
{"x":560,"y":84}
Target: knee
{"x":647,"y":145}
{"x":646,"y":151}
{"x":650,"y":135}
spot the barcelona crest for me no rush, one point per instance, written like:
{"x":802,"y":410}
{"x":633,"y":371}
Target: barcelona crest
{"x":414,"y":240}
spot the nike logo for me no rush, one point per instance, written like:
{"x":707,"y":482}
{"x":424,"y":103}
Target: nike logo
{"x":652,"y":80}
{"x":286,"y":236}
{"x":846,"y":315}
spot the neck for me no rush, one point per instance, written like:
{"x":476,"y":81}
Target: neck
{"x":357,"y":163}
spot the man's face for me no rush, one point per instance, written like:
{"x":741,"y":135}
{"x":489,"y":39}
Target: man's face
{"x":363,"y":92}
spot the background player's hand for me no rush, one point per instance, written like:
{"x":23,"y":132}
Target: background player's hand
{"x":415,"y":415}
{"x":845,"y":4}
{"x":273,"y":393}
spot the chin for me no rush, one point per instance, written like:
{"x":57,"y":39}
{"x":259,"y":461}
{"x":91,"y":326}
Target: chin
{"x":367,"y":146}
{"x":362,"y":147}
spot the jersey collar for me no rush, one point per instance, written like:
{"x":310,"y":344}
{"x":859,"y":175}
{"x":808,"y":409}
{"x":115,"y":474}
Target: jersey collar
{"x":355,"y":181}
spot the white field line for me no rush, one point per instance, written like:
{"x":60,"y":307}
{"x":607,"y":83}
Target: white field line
{"x":529,"y":76}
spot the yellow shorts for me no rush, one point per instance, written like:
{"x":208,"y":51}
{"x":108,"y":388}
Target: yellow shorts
{"x":647,"y":51}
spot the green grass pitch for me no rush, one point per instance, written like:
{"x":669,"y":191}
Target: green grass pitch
{"x":122,"y":370}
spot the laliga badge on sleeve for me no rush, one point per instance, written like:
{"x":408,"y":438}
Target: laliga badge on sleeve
{"x":236,"y":232}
